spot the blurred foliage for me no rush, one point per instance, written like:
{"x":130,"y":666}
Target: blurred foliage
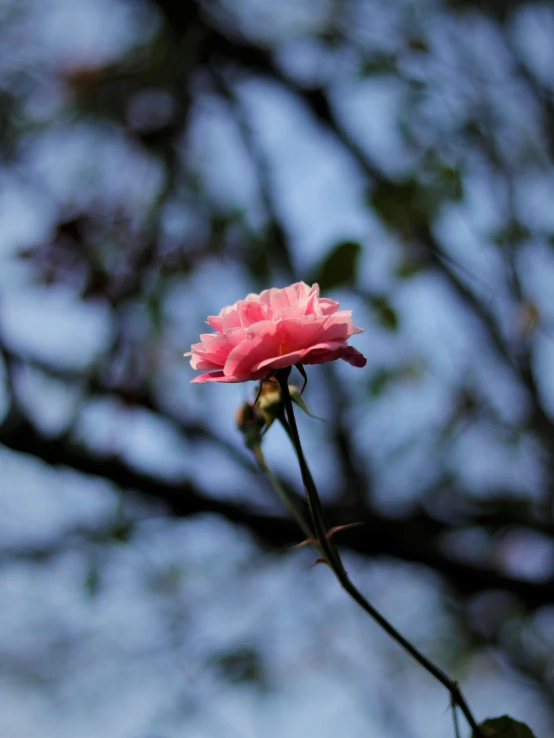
{"x":241,"y":665}
{"x":340,"y":266}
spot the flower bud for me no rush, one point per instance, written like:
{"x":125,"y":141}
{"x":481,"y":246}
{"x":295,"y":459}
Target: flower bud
{"x":250,"y":422}
{"x":269,"y":399}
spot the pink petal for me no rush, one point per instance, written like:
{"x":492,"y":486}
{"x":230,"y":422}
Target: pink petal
{"x":273,"y":330}
{"x":336,"y":328}
{"x":231,"y":318}
{"x":299,"y":333}
{"x":216,"y":322}
{"x":354,"y":357}
{"x":201,"y":363}
{"x":323,"y":352}
{"x":295,"y":294}
{"x":213,"y":377}
{"x":250,"y":312}
{"x":249,"y":353}
{"x":280,"y":362}
{"x":278,"y":300}
{"x":328,"y":307}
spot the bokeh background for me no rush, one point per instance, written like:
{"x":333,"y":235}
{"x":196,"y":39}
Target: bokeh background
{"x":161,"y":159}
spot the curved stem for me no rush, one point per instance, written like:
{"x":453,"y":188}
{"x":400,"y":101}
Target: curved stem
{"x":335,"y":563}
{"x":282,"y":493}
{"x":455,"y":718}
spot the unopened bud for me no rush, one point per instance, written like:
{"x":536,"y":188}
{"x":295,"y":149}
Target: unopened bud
{"x":250,"y":422}
{"x":269,"y":401}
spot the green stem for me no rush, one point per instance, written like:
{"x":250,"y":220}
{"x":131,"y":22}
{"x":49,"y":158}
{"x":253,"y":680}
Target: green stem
{"x":455,"y":718}
{"x":282,"y":493}
{"x":334,"y":560}
{"x":319,"y":521}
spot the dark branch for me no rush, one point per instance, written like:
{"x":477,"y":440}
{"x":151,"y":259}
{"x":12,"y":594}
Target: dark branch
{"x":414,"y":541}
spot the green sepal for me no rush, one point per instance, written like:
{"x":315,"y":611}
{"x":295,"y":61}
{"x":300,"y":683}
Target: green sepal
{"x":296,"y":397}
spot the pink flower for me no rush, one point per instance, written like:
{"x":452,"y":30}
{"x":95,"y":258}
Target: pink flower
{"x":273,"y":330}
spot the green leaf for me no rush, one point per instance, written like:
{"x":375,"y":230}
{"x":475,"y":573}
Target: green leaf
{"x":398,"y":203}
{"x":165,"y":581}
{"x":409,"y":204}
{"x":379,"y":381}
{"x":386,"y":314}
{"x":383,"y":377}
{"x":450,"y":183}
{"x":241,"y":665}
{"x":378,"y":64}
{"x":154,"y":308}
{"x":409,"y":267}
{"x":340,"y":266}
{"x":513,"y":234}
{"x":92,"y":581}
{"x":418,"y":43}
{"x":122,"y":531}
{"x":504,"y":727}
{"x":258,"y":263}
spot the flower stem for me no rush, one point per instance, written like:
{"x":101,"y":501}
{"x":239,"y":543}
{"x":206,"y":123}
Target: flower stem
{"x":457,"y":733}
{"x":334,"y":561}
{"x":282,"y":493}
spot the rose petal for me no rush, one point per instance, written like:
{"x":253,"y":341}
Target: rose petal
{"x":273,"y":330}
{"x":214,"y":377}
{"x":354,"y":357}
{"x":250,"y":352}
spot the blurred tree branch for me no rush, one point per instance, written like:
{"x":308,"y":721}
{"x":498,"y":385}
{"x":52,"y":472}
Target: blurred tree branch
{"x":413,"y":539}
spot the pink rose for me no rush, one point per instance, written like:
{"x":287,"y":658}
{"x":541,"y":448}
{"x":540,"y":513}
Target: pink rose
{"x":273,"y":330}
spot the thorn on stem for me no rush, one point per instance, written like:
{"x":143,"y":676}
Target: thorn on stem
{"x":307,"y":542}
{"x":330,"y":533}
{"x":338,"y":528}
{"x":318,"y":561}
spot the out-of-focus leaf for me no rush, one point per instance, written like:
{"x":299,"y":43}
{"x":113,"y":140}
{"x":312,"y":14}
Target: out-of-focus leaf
{"x":400,"y":203}
{"x":92,"y":581}
{"x":384,"y":311}
{"x":450,"y":183}
{"x":154,"y":307}
{"x":166,"y":581}
{"x":385,"y":376}
{"x":504,"y":727}
{"x":258,"y":263}
{"x":513,"y":234}
{"x":9,"y":118}
{"x":122,"y":532}
{"x":242,"y":665}
{"x":410,"y":203}
{"x":417,"y":43}
{"x":378,"y":64}
{"x":409,"y":268}
{"x":528,"y":318}
{"x":339,"y":266}
{"x":379,"y":381}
